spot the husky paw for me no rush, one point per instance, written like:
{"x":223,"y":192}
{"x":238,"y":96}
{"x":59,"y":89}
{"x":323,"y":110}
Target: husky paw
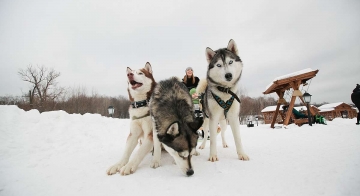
{"x":196,"y":153}
{"x":114,"y":169}
{"x":213,"y":158}
{"x":243,"y":157}
{"x":225,"y":145}
{"x":155,"y":164}
{"x":127,"y":169}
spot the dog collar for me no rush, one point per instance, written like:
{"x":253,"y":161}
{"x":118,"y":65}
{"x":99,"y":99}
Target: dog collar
{"x":227,"y":90}
{"x":139,"y":104}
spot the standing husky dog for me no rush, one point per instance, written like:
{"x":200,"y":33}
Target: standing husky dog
{"x":140,"y":86}
{"x":175,"y":125}
{"x":221,"y":95}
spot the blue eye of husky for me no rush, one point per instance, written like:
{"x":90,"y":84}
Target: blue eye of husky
{"x":218,"y":65}
{"x":230,"y":62}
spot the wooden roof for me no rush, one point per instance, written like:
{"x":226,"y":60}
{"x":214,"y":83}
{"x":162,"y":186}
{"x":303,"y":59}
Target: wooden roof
{"x":284,"y":82}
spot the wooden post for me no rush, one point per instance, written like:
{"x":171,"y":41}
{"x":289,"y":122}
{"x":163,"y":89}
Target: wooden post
{"x":280,"y":101}
{"x":295,"y":85}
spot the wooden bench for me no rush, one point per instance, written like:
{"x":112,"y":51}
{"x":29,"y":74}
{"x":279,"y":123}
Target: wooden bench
{"x":301,"y":121}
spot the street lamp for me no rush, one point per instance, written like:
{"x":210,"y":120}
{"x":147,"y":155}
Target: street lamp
{"x":257,"y":118}
{"x":307,"y":99}
{"x":111,"y":110}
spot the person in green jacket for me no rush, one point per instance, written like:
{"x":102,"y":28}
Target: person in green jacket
{"x":197,"y":110}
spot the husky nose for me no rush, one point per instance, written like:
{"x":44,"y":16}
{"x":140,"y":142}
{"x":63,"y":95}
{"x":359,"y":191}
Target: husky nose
{"x":130,"y":75}
{"x":228,"y":76}
{"x":189,"y":172}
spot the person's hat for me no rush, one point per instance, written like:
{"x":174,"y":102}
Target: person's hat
{"x":189,"y":68}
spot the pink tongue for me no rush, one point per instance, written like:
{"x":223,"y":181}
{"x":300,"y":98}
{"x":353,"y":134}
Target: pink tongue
{"x":136,"y":85}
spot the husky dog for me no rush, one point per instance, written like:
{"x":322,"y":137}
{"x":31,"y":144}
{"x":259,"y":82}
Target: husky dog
{"x":140,"y":87}
{"x":175,"y":125}
{"x":221,"y":95}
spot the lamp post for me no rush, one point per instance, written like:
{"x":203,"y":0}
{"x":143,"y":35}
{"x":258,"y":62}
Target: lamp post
{"x":307,"y":99}
{"x":111,"y":110}
{"x":257,"y":118}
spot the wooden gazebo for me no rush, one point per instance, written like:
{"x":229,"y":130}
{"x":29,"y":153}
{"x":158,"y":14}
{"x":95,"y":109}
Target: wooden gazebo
{"x":286,"y":82}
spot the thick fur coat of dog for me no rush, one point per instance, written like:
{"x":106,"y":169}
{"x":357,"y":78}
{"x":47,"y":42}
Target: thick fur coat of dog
{"x":175,"y":125}
{"x":221,"y":95}
{"x":140,"y":87}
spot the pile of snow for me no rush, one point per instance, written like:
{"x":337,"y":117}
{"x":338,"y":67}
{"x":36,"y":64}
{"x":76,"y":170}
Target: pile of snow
{"x":55,"y":153}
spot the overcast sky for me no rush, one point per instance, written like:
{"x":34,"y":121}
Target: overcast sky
{"x":92,"y":42}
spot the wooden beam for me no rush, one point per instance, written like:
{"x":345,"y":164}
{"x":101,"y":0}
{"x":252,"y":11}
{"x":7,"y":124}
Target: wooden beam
{"x":281,"y":96}
{"x":295,"y":85}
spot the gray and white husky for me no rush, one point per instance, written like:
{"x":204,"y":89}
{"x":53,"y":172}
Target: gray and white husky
{"x":221,"y":95}
{"x":140,"y":87}
{"x":175,"y":125}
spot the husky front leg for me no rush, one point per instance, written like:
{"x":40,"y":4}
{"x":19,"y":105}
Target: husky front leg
{"x":144,"y":149}
{"x":157,"y":150}
{"x":205,"y":130}
{"x":223,"y":126}
{"x":213,"y":129}
{"x":155,"y":162}
{"x":131,"y":142}
{"x":235,"y":128}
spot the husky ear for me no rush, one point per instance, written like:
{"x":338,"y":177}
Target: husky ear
{"x":148,"y":67}
{"x":209,"y":53}
{"x":173,"y":129}
{"x":196,"y":124}
{"x":232,"y":47}
{"x":128,"y":70}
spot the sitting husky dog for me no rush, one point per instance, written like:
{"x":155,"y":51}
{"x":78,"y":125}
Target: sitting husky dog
{"x":221,"y":95}
{"x":175,"y":125}
{"x":140,"y":87}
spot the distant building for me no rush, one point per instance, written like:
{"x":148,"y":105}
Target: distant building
{"x":337,"y":110}
{"x":269,"y":112}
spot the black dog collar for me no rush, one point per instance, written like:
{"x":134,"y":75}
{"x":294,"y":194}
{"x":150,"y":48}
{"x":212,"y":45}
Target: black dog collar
{"x":139,"y":104}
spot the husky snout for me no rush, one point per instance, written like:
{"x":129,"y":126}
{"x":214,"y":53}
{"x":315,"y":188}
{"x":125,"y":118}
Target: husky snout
{"x":228,"y":76}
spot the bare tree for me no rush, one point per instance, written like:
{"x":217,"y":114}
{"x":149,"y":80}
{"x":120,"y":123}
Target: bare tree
{"x":44,"y":88}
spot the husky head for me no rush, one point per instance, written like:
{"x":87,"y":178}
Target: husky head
{"x":225,"y":66}
{"x":140,"y":82}
{"x":180,"y":142}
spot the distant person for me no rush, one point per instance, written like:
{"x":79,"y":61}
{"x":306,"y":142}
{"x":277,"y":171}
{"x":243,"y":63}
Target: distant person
{"x":189,"y":79}
{"x":355,"y":98}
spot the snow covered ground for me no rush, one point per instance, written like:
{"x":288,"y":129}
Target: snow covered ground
{"x":55,"y":153}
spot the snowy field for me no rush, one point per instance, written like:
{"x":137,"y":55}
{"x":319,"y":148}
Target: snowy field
{"x":55,"y":153}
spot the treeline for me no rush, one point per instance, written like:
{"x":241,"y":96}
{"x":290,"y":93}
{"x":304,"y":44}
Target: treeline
{"x":79,"y":102}
{"x":74,"y":101}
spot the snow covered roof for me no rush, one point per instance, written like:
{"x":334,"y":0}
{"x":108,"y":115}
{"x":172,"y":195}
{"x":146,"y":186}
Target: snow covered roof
{"x":330,"y":105}
{"x":271,"y":108}
{"x":284,"y":80}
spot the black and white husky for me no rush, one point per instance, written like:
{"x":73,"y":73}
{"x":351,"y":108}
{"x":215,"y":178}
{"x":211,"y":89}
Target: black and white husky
{"x":175,"y":124}
{"x":140,"y":87}
{"x":221,"y":95}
